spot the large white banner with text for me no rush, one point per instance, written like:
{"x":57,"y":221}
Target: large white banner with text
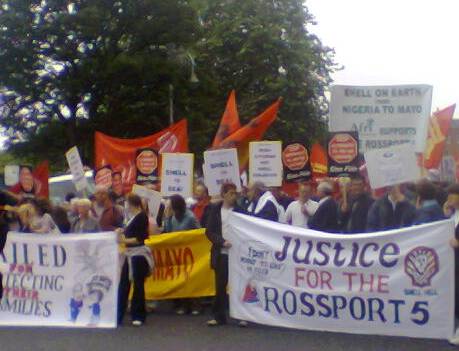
{"x":66,"y":280}
{"x":399,"y":282}
{"x":382,"y":115}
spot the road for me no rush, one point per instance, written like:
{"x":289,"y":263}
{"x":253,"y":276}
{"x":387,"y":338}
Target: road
{"x":167,"y":332}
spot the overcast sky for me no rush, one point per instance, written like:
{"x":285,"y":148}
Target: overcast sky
{"x":393,"y":42}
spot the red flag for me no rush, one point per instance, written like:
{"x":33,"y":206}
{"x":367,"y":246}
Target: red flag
{"x":120,"y":154}
{"x":252,"y":131}
{"x":439,"y":125}
{"x":230,"y":121}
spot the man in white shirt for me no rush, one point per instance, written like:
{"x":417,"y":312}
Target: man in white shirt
{"x":299,"y":211}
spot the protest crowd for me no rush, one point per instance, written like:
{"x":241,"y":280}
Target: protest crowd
{"x":148,"y":193}
{"x":329,"y":206}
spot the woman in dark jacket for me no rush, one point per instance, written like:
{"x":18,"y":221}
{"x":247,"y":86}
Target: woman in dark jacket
{"x":138,"y":263}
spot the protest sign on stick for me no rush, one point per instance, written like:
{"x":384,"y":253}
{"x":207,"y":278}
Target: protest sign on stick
{"x":265,"y":162}
{"x":177,"y":174}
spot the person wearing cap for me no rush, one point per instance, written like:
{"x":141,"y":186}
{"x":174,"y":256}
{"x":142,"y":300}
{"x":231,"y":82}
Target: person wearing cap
{"x":325,"y":219}
{"x":392,"y":211}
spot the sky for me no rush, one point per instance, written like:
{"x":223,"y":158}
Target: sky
{"x":393,"y":42}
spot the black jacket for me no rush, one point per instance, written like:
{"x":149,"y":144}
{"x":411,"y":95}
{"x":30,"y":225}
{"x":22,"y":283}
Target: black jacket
{"x":355,"y":219}
{"x":214,"y":230}
{"x":326,"y":217}
{"x":268,"y":212}
{"x":138,"y":228}
{"x":383,"y":217}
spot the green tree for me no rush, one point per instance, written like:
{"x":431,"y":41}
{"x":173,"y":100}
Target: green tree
{"x":264,"y":50}
{"x":70,"y":68}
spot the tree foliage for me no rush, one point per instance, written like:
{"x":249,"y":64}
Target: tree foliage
{"x":72,"y":67}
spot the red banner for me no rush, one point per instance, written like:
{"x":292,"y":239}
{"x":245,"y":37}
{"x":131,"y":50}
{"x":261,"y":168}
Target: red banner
{"x":115,"y":155}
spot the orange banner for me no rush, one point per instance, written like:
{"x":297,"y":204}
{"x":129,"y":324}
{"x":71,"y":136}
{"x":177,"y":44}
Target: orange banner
{"x":253,"y":131}
{"x":230,"y":121}
{"x":439,"y":125}
{"x":118,"y":156}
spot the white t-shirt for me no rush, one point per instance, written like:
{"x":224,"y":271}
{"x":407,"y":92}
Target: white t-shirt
{"x":295,"y":215}
{"x":225,"y":213}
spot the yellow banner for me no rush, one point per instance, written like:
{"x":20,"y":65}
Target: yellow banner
{"x":182,"y":266}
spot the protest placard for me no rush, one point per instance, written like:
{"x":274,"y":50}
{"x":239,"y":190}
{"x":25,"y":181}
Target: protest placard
{"x":297,"y":166}
{"x":76,"y":168}
{"x":152,"y":197}
{"x":382,"y":115}
{"x":177,"y":174}
{"x":391,"y":166}
{"x":343,"y":154}
{"x":221,"y":166}
{"x":11,"y":175}
{"x":265,"y":162}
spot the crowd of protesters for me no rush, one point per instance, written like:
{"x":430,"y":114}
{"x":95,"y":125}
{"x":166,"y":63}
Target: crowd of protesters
{"x":329,"y":206}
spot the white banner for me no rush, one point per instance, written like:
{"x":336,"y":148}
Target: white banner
{"x":221,"y":166}
{"x":383,"y":115}
{"x":391,"y":166}
{"x":399,"y":282}
{"x":76,"y":168}
{"x":265,"y":162}
{"x":65,"y":281}
{"x":177,"y":174}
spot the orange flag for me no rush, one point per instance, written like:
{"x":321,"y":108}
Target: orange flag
{"x":319,"y":161}
{"x":252,"y":131}
{"x":438,"y":130}
{"x":230,"y":121}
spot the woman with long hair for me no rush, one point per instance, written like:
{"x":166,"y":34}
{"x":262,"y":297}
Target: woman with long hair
{"x":138,"y":263}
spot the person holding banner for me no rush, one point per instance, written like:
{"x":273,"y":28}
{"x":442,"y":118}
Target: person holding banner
{"x":262,"y":203}
{"x":138,"y":264}
{"x":325,"y":219}
{"x":216,"y":230}
{"x":392,"y":211}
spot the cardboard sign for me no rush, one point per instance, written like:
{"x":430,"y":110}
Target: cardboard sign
{"x":103,"y":176}
{"x":177,"y":174}
{"x":297,"y":167}
{"x":391,"y":166}
{"x":265,"y":162}
{"x":11,"y":175}
{"x":343,"y":154}
{"x":220,"y":167}
{"x":152,"y":197}
{"x":76,"y":168}
{"x":382,"y":115}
